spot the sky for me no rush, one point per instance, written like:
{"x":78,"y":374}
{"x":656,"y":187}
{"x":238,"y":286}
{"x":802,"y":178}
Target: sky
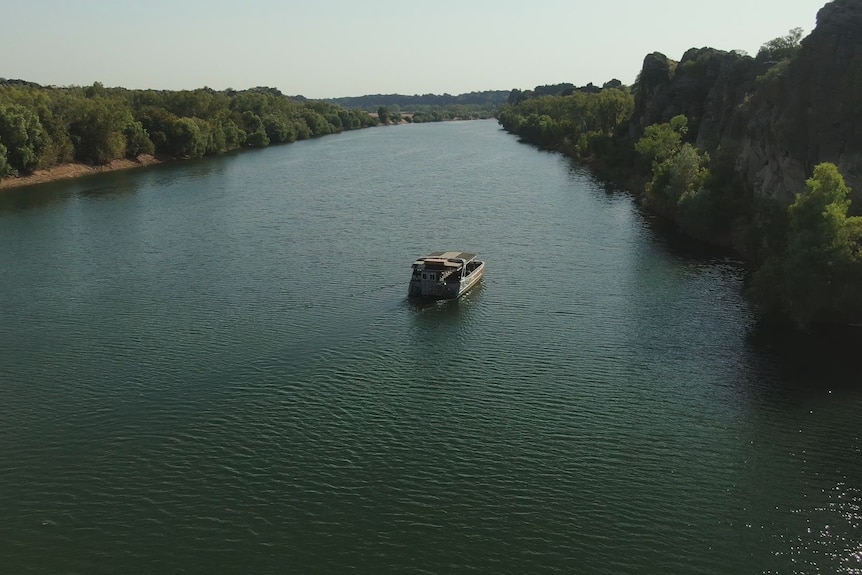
{"x":339,"y":48}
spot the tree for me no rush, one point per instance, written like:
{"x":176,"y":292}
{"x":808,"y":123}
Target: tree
{"x":782,"y":47}
{"x":137,"y":140}
{"x":255,"y":130}
{"x":56,"y":148}
{"x":233,"y":136}
{"x":158,"y":122}
{"x":679,"y":180}
{"x":615,"y":107}
{"x":22,"y":134}
{"x":679,"y":172}
{"x":661,"y":141}
{"x":823,"y":248}
{"x":5,"y":169}
{"x":98,"y":130}
{"x":818,"y":276}
{"x":279,"y":128}
{"x":189,"y":137}
{"x":316,"y":123}
{"x":42,"y":127}
{"x":541,"y":129}
{"x":383,"y":114}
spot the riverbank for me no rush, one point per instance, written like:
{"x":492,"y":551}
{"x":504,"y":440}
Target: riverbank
{"x":76,"y":170}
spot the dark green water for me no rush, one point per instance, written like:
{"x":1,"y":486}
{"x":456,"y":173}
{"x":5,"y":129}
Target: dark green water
{"x":212,"y":368}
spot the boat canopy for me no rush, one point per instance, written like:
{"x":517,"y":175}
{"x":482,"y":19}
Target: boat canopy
{"x":451,"y":258}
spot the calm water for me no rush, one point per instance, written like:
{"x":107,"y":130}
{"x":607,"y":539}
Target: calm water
{"x":212,"y":368}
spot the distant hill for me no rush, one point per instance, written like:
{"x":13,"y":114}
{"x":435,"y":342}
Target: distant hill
{"x":490,"y":99}
{"x":16,"y":82}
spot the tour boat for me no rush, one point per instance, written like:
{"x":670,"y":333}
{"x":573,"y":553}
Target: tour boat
{"x":445,"y":275}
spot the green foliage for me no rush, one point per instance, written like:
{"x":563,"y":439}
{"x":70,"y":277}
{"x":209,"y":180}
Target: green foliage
{"x":773,"y":72}
{"x":254,"y":127}
{"x":42,"y":127}
{"x":158,"y":123}
{"x":383,"y":114}
{"x":662,"y":141}
{"x":677,"y":184}
{"x":191,"y":138}
{"x":697,"y":202}
{"x":541,"y":129}
{"x":5,"y":168}
{"x":582,"y":121}
{"x":22,"y":134}
{"x":137,"y":140}
{"x":614,"y":107}
{"x":334,"y":121}
{"x":430,"y":107}
{"x":679,"y":174}
{"x":303,"y":132}
{"x":230,"y":136}
{"x":98,"y":130}
{"x":317,"y":124}
{"x":424,"y":114}
{"x":815,"y":275}
{"x":56,"y":146}
{"x":279,"y":129}
{"x":824,"y":249}
{"x":782,"y":47}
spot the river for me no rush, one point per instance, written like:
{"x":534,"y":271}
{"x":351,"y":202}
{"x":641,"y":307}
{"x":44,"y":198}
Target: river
{"x":211,"y":367}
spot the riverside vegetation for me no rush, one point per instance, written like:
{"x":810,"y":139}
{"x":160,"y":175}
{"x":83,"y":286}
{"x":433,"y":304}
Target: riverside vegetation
{"x":739,"y":151}
{"x":429,"y":107}
{"x":42,"y":127}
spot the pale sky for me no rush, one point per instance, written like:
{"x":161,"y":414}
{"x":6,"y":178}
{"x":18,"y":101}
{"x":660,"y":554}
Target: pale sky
{"x":335,"y":48}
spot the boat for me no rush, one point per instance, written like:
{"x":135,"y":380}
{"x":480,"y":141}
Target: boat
{"x":445,"y":275}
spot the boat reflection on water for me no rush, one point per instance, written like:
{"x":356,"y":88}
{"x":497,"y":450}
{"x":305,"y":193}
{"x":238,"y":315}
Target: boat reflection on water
{"x":447,"y":307}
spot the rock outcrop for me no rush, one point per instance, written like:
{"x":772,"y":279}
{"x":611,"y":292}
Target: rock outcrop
{"x":781,"y":118}
{"x":811,"y":110}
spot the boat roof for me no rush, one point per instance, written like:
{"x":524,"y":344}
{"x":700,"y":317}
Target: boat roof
{"x":445,"y":257}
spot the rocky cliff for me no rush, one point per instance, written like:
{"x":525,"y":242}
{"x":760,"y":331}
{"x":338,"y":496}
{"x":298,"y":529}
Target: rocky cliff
{"x":780,"y":118}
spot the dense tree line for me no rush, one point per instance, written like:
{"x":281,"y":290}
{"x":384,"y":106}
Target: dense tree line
{"x":806,"y":257}
{"x":813,"y":269}
{"x":424,"y":114}
{"x":41,"y":127}
{"x":581,"y":122}
{"x":429,"y":107}
{"x":489,"y":100}
{"x":563,"y":89}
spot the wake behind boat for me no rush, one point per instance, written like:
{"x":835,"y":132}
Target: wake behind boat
{"x":445,"y":275}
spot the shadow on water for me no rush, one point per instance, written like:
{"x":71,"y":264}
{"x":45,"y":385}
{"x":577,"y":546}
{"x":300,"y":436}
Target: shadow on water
{"x":805,"y":362}
{"x":444,"y":310}
{"x":107,"y":185}
{"x":95,"y":186}
{"x":822,"y":357}
{"x":671,"y":240}
{"x":666,"y":234}
{"x":33,"y":197}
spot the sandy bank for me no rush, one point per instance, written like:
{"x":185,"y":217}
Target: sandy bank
{"x":68,"y":171}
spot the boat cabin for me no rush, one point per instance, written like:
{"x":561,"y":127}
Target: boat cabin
{"x":445,"y":274}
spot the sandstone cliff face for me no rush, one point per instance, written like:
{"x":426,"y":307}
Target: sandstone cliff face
{"x":811,"y":111}
{"x":708,"y":86}
{"x":782,"y":119}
